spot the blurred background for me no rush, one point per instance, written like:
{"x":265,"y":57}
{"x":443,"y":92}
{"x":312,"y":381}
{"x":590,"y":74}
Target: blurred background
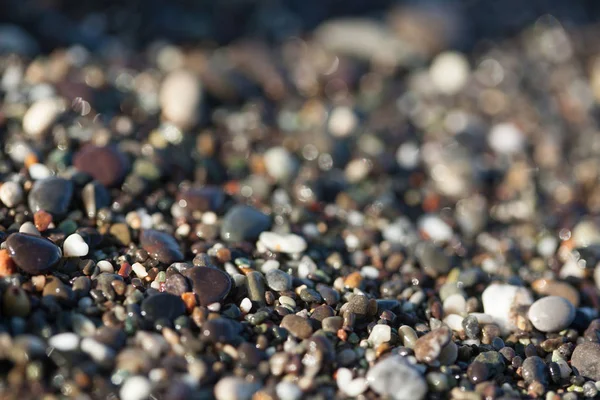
{"x":46,"y":24}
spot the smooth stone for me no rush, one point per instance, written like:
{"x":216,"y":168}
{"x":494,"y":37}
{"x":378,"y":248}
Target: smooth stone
{"x":206,"y":198}
{"x":428,"y":347}
{"x":136,"y":387}
{"x":332,"y":324}
{"x":280,"y":164}
{"x":218,"y":330}
{"x":162,"y":306}
{"x":279,"y":280}
{"x":235,"y":388}
{"x":297,"y":326}
{"x":506,"y":138}
{"x":586,"y":359}
{"x":52,"y":195}
{"x":176,"y":284}
{"x":121,"y":232}
{"x":256,"y":286}
{"x":288,"y":391}
{"x":290,"y":243}
{"x":94,"y":196}
{"x":56,"y":288}
{"x":40,"y":116}
{"x":161,"y":246}
{"x":29,"y":228}
{"x":380,"y":334}
{"x":551,"y":314}
{"x":211,"y":285}
{"x":357,"y":304}
{"x":486,"y":365}
{"x":501,"y":300}
{"x":449,"y":72}
{"x":66,"y":341}
{"x":394,"y":377}
{"x":455,"y":304}
{"x":180,"y":97}
{"x":432,"y":259}
{"x":11,"y":193}
{"x":106,"y":164}
{"x":535,"y":369}
{"x":435,"y":228}
{"x":75,"y":246}
{"x":310,"y":296}
{"x":33,"y":254}
{"x":244,"y":223}
{"x":322,"y":312}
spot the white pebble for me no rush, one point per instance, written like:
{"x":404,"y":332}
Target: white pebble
{"x":407,"y":155}
{"x":269,"y":265}
{"x":139,"y":270}
{"x":483,"y":318}
{"x":506,"y":138}
{"x":380,"y":334}
{"x":435,"y":228}
{"x":235,"y":388}
{"x":357,"y":170}
{"x":449,"y":72}
{"x":288,"y":391}
{"x":75,"y":246}
{"x":369,"y":272}
{"x":280,"y":164}
{"x":105,"y":266}
{"x":98,"y":351}
{"x":214,"y":307}
{"x":454,"y":322}
{"x":500,"y":301}
{"x":306,"y":267}
{"x":135,"y":388}
{"x":455,"y":304}
{"x":597,"y":276}
{"x":342,"y":121}
{"x":40,"y":116}
{"x":39,"y":171}
{"x":209,"y":218}
{"x":246,"y":305}
{"x":547,"y":246}
{"x":29,"y":227}
{"x":289,"y":243}
{"x":180,"y":97}
{"x":585,"y":233}
{"x":67,"y":341}
{"x":11,"y":193}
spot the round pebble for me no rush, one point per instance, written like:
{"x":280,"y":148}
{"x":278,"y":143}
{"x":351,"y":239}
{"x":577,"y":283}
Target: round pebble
{"x":551,"y":314}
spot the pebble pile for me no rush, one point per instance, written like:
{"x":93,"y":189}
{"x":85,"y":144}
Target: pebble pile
{"x":324,"y":218}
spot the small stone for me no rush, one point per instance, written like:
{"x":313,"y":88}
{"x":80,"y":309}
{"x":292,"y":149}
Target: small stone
{"x":211,"y":285}
{"x":455,"y":304}
{"x":506,"y":138}
{"x":535,"y":369}
{"x":66,"y":341}
{"x":500,"y":301}
{"x":94,"y":197}
{"x":471,"y":327}
{"x":217,"y":330}
{"x":180,"y":97}
{"x":428,"y":347}
{"x":280,"y":164}
{"x":11,"y":194}
{"x":394,"y":377}
{"x":358,"y":304}
{"x":203,"y":199}
{"x":235,"y":388}
{"x":52,"y":194}
{"x":162,"y":306}
{"x":551,"y":314}
{"x":243,"y":223}
{"x":97,"y":351}
{"x":256,"y":286}
{"x":15,"y":302}
{"x":449,"y":72}
{"x":121,"y":232}
{"x":297,"y":326}
{"x":176,"y":284}
{"x":40,"y":116}
{"x":75,"y":246}
{"x":7,"y":265}
{"x":136,"y":387}
{"x":278,"y":280}
{"x":32,"y":254}
{"x":310,"y":296}
{"x":380,"y":334}
{"x":332,"y":324}
{"x":42,"y":220}
{"x":585,"y":360}
{"x":161,"y":246}
{"x":56,"y":288}
{"x":290,"y":243}
{"x":288,"y":391}
{"x":29,"y":229}
{"x":106,"y":164}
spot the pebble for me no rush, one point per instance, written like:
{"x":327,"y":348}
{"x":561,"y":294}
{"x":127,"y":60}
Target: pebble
{"x":279,"y":280}
{"x":358,"y":304}
{"x":435,"y":228}
{"x":551,"y":314}
{"x":29,"y":228}
{"x":96,"y":350}
{"x":162,"y":306}
{"x":288,"y":391}
{"x":332,"y":324}
{"x":535,"y":369}
{"x":506,"y":138}
{"x":380,"y":334}
{"x":280,"y":164}
{"x":52,"y":194}
{"x":75,"y":246}
{"x":39,"y":171}
{"x":455,"y":304}
{"x":235,"y":388}
{"x":203,"y":199}
{"x":290,"y":243}
{"x":449,"y":72}
{"x":66,"y":341}
{"x":161,"y":246}
{"x":243,"y":223}
{"x":486,"y":366}
{"x":11,"y":194}
{"x":32,"y":254}
{"x":135,"y":387}
{"x":95,"y":197}
{"x":180,"y":98}
{"x":106,"y":164}
{"x":394,"y":377}
{"x":176,"y":284}
{"x":40,"y":116}
{"x":297,"y":326}
{"x":15,"y":302}
{"x":432,"y":259}
{"x":255,"y":284}
{"x":501,"y":300}
{"x":218,"y":330}
{"x":211,"y":285}
{"x":429,"y":347}
{"x":585,"y":360}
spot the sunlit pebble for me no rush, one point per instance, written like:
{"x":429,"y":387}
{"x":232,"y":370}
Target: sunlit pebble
{"x":80,"y":106}
{"x":454,"y":322}
{"x":12,"y":77}
{"x":39,"y":171}
{"x":41,"y":91}
{"x":547,"y":246}
{"x":342,"y":121}
{"x":139,"y":270}
{"x":435,"y":228}
{"x":136,"y":387}
{"x":169,"y":58}
{"x":183,"y":230}
{"x":11,"y":193}
{"x":506,"y":138}
{"x":408,"y":155}
{"x":40,"y":116}
{"x":572,"y":268}
{"x":155,"y":285}
{"x":449,"y":72}
{"x":75,"y":246}
{"x":29,"y":227}
{"x":105,"y":266}
{"x":369,"y":272}
{"x":310,"y":230}
{"x":357,"y":170}
{"x":352,"y":241}
{"x":214,"y":307}
{"x":269,"y":265}
{"x":246,"y":305}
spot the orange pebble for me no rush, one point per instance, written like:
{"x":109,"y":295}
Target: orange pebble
{"x":31,"y":159}
{"x":42,"y":220}
{"x":353,"y":280}
{"x":7,"y":265}
{"x":342,"y":335}
{"x":125,"y":270}
{"x":189,"y":299}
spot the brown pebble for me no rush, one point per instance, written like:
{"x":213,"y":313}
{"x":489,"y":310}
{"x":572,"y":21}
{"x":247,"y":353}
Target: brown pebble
{"x":189,"y":300}
{"x":38,"y":281}
{"x":297,"y":326}
{"x":224,"y":255}
{"x":429,"y":347}
{"x":42,"y":220}
{"x":353,"y":280}
{"x":125,"y":270}
{"x":7,"y":265}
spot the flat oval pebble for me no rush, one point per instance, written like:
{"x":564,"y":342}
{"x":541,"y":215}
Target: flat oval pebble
{"x":206,"y":198}
{"x":161,"y":246}
{"x":586,"y":358}
{"x":33,"y":254}
{"x":52,"y":194}
{"x":394,"y":377}
{"x":106,"y":164}
{"x":289,"y":243}
{"x":242,"y":223}
{"x":501,"y":300}
{"x":551,"y":314}
{"x":235,"y":388}
{"x":162,"y":305}
{"x":211,"y":285}
{"x":297,"y":326}
{"x":40,"y":116}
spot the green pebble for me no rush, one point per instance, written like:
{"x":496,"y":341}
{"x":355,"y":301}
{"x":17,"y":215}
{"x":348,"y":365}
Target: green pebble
{"x":68,"y":226}
{"x":146,"y":169}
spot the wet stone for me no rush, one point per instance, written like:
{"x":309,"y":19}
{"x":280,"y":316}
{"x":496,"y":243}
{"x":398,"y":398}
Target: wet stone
{"x":162,"y":305}
{"x":279,"y":280}
{"x":161,"y":246}
{"x":332,"y":324}
{"x":585,"y":360}
{"x":489,"y":364}
{"x":322,"y":312}
{"x":428,"y":347}
{"x":297,"y":326}
{"x":52,"y":194}
{"x":106,"y":164}
{"x":244,"y":223}
{"x":432,"y":259}
{"x":535,"y":369}
{"x":33,"y":254}
{"x":176,"y":284}
{"x":211,"y":285}
{"x":551,"y":314}
{"x":256,"y":286}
